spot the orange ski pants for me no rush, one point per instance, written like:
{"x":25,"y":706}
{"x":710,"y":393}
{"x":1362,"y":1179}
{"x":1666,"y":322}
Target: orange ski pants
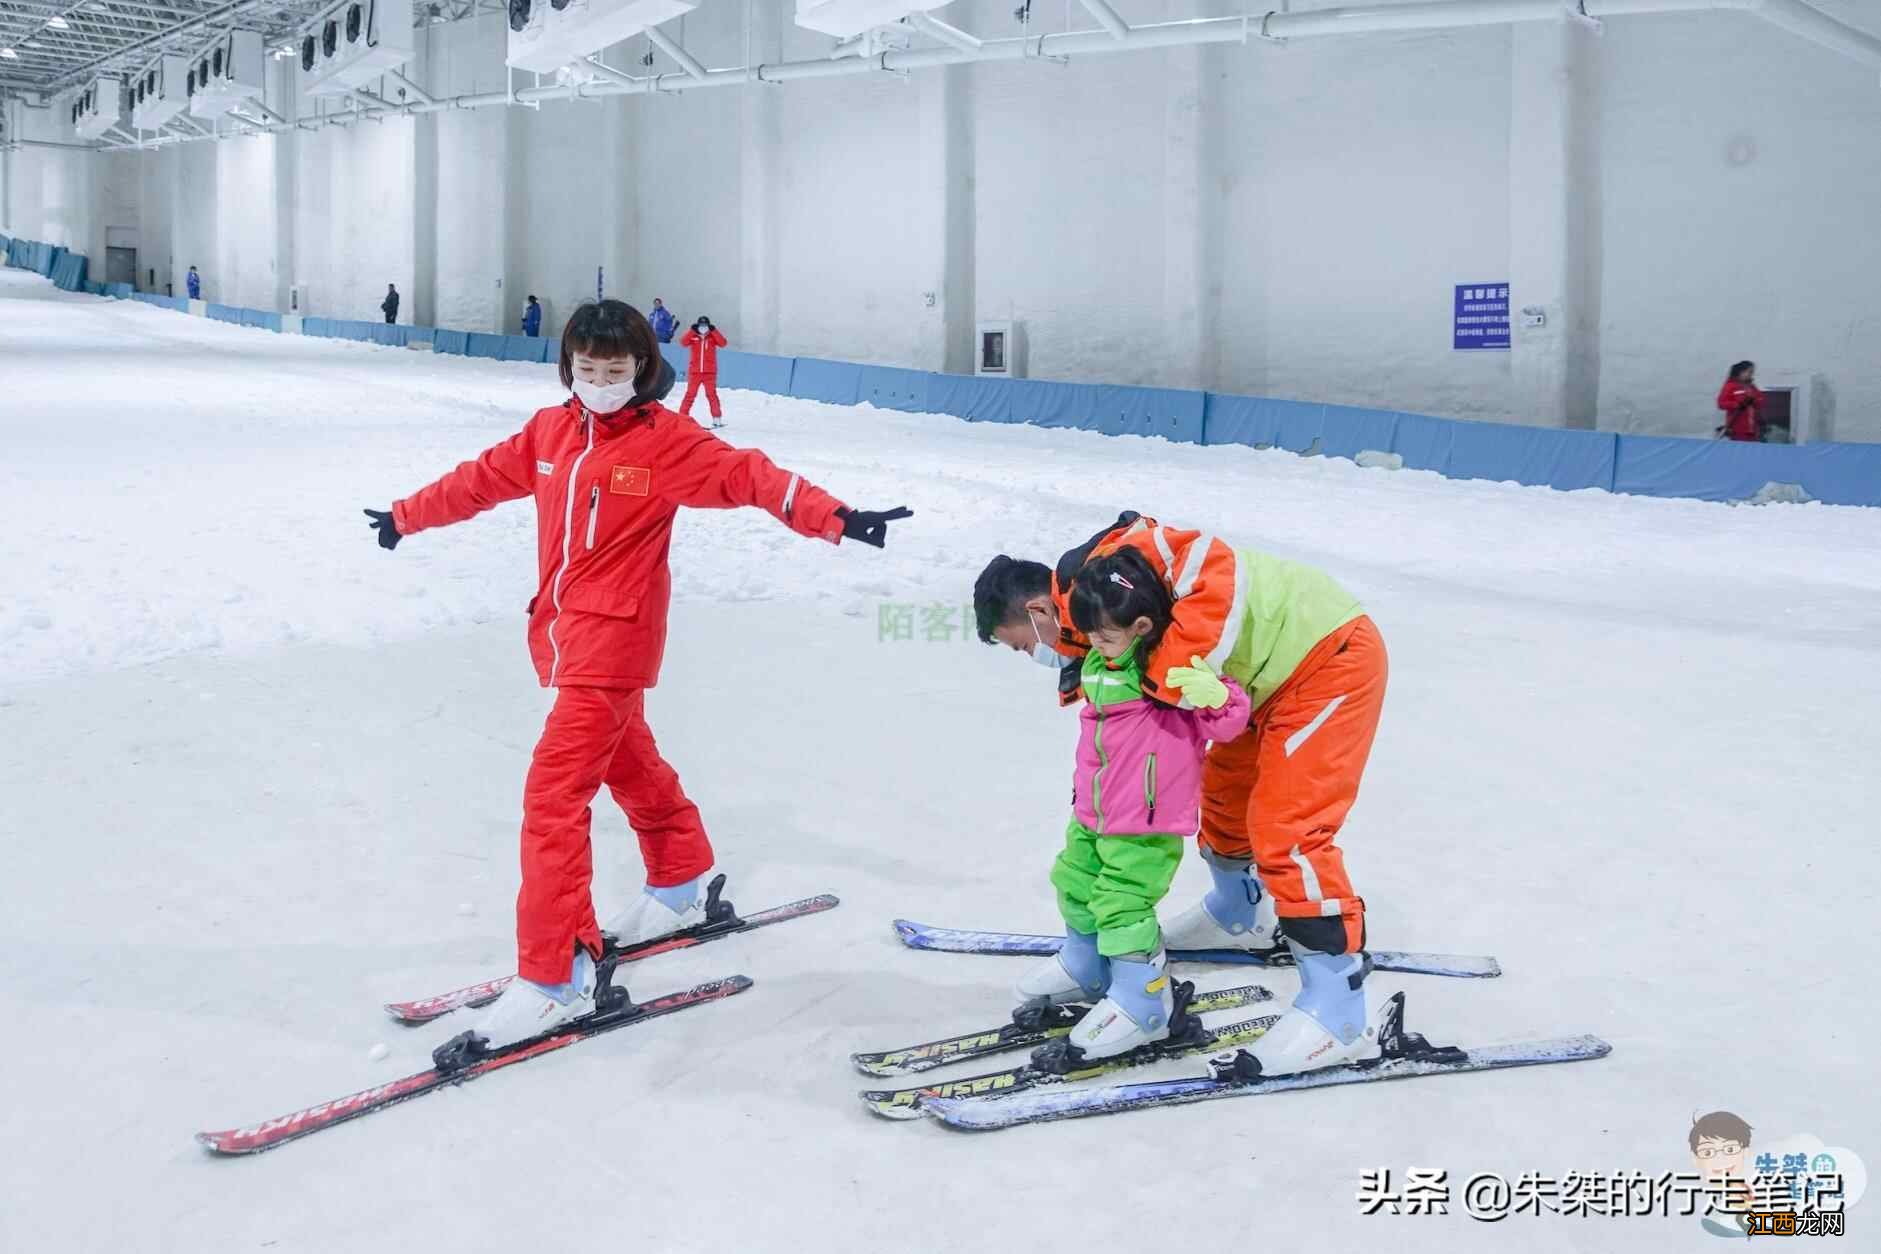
{"x":1277,"y":795}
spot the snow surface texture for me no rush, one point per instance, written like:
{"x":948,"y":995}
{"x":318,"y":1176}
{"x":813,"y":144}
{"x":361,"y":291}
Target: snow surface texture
{"x":253,"y":767}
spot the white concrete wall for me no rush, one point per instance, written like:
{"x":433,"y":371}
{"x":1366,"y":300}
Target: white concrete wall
{"x":1740,"y":192}
{"x":1281,"y":220}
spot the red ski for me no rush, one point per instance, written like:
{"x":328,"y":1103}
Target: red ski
{"x":460,"y":1062}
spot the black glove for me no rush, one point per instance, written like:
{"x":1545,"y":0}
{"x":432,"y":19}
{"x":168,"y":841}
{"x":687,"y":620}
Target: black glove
{"x":382,"y":523}
{"x":871,"y":526}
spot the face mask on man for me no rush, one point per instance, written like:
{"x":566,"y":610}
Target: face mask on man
{"x":606,"y":398}
{"x":1041,"y":652}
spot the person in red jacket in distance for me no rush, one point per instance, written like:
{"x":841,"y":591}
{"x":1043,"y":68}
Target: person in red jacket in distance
{"x":704,"y":340}
{"x":609,"y":470}
{"x":1742,"y":404}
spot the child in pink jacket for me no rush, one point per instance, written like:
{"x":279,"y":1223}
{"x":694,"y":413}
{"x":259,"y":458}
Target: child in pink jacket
{"x":1136,"y":797}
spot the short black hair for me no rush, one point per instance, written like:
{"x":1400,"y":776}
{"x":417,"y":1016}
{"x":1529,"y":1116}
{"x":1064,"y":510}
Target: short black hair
{"x":1003,"y":588}
{"x":1117,"y":589}
{"x":1741,"y":367}
{"x":610,"y":328}
{"x":532,"y":298}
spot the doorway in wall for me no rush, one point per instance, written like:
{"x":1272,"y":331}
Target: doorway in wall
{"x":121,"y":265}
{"x":1777,"y":415}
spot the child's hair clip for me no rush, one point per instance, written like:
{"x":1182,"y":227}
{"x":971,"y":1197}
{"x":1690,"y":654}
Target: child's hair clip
{"x":1116,"y":578}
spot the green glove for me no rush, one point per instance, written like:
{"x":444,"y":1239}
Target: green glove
{"x":1199,"y":684}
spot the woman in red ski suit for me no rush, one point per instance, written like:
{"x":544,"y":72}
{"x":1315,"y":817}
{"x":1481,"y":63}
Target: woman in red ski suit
{"x":609,"y":469}
{"x":1742,"y":402}
{"x":704,"y":340}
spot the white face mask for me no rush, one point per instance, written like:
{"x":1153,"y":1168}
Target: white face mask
{"x":605,"y":398}
{"x":1041,"y":652}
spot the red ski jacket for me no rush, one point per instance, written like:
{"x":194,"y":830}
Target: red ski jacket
{"x":607,"y":491}
{"x":704,"y":351}
{"x":1740,"y":403}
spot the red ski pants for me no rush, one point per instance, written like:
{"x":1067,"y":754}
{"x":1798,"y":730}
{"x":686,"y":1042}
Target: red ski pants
{"x":594,"y":736}
{"x":693,"y":383}
{"x":1278,"y":793}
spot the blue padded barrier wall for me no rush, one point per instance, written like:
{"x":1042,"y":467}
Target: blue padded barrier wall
{"x":1544,"y":456}
{"x":888,"y":387}
{"x":1717,"y":470}
{"x":552,"y":352}
{"x":521,"y":348}
{"x":970,"y":397}
{"x":832,"y":382}
{"x":1727,"y":470}
{"x":756,"y":372}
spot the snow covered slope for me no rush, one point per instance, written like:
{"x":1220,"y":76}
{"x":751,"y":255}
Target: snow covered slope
{"x":259,"y":776}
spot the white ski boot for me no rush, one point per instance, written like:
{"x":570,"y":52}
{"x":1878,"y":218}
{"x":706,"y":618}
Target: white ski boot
{"x":1076,"y":974}
{"x":1328,"y":1024}
{"x":1136,"y":1011}
{"x":525,"y":1008}
{"x":658,"y":912}
{"x":1235,"y":914}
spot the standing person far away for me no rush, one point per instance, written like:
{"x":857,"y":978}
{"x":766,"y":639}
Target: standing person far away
{"x":1742,"y":403}
{"x":704,"y":340}
{"x":192,"y":283}
{"x":389,"y":306}
{"x":532,"y":318}
{"x":663,"y":321}
{"x":609,"y":469}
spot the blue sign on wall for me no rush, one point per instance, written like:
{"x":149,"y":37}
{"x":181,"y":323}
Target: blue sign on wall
{"x":1481,"y":316}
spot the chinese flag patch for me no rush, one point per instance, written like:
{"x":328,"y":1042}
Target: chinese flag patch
{"x":630,"y":480}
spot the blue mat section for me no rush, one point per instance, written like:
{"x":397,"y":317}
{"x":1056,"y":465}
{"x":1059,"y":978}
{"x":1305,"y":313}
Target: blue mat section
{"x":121,"y":291}
{"x":757,"y":372}
{"x":266,"y":319}
{"x":68,"y":271}
{"x":1544,"y":456}
{"x":1727,"y":470}
{"x":814,"y":379}
{"x":522,"y":348}
{"x":310,"y":325}
{"x":443,"y":341}
{"x":480,"y":344}
{"x":390,"y":334}
{"x":970,"y":397}
{"x":888,"y":387}
{"x":552,"y":352}
{"x":224,"y":313}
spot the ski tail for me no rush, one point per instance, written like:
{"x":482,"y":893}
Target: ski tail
{"x":425,"y":1009}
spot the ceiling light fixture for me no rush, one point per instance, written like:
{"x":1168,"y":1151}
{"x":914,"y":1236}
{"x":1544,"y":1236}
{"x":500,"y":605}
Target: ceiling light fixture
{"x":58,"y":23}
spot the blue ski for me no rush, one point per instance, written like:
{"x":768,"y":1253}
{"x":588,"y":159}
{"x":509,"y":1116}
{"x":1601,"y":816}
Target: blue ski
{"x":959,"y":941}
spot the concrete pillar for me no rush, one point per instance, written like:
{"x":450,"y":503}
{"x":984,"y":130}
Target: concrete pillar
{"x":1184,"y":211}
{"x":759,"y":138}
{"x":944,"y":230}
{"x":1554,"y":225}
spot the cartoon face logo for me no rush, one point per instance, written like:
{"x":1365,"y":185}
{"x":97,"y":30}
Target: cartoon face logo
{"x":1718,"y":1141}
